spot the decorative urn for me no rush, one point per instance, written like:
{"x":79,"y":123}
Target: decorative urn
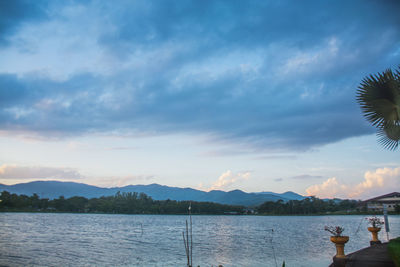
{"x":376,"y":224}
{"x":374,"y":231}
{"x":339,"y":243}
{"x":338,"y":239}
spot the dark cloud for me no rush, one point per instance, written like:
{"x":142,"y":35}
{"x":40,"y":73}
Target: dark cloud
{"x":17,"y":12}
{"x":212,"y":27}
{"x":273,"y":75}
{"x":84,"y":104}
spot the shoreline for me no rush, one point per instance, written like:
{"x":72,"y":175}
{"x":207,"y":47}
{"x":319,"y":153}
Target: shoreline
{"x":201,"y":214}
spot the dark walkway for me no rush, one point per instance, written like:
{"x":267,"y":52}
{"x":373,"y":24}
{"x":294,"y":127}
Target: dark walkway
{"x":373,"y":256}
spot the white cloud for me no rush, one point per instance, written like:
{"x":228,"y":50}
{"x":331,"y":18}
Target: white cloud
{"x":36,"y":172}
{"x":381,"y":181}
{"x":228,"y":178}
{"x":378,"y":182}
{"x":12,"y":174}
{"x":329,"y":189}
{"x":119,"y":181}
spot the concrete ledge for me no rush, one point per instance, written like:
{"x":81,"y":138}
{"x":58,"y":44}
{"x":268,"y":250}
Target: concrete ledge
{"x":374,"y":256}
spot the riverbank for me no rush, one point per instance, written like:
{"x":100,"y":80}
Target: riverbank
{"x":373,"y":256}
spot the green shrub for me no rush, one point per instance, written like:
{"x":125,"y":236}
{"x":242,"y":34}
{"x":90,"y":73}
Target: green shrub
{"x":394,"y":250}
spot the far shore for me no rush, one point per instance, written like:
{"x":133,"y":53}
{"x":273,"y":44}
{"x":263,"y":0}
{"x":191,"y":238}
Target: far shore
{"x":202,"y":214}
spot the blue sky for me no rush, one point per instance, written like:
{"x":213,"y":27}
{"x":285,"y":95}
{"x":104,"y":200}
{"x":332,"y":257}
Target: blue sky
{"x":254,"y":95}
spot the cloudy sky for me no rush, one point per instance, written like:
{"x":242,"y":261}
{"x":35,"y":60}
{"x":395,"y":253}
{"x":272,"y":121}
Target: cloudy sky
{"x":250,"y":95}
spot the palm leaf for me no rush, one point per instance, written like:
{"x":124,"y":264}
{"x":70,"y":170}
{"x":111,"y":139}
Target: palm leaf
{"x":379,"y":98}
{"x":389,"y":137}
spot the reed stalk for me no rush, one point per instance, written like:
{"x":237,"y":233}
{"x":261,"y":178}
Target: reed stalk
{"x":188,"y":239}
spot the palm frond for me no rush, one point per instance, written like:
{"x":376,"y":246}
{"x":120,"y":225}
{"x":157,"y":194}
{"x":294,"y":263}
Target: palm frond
{"x":389,"y":137}
{"x":379,"y":98}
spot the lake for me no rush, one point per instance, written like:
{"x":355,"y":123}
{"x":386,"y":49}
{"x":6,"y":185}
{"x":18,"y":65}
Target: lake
{"x":55,"y":239}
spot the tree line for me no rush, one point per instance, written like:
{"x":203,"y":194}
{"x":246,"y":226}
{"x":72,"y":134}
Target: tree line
{"x":310,"y":205}
{"x":140,"y":203}
{"x":121,"y":203}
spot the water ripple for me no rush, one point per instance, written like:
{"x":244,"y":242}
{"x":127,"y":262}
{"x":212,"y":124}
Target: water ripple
{"x":34,"y":239}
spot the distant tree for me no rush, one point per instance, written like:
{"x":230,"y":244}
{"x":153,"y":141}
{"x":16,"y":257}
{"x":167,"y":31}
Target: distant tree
{"x":311,"y":205}
{"x":124,"y":203}
{"x":76,"y":204}
{"x":5,"y":200}
{"x":379,"y":98}
{"x":60,"y":204}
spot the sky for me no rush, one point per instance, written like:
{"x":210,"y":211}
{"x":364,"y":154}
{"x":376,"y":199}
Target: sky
{"x":249,"y":95}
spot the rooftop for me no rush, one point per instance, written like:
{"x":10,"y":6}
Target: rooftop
{"x":394,"y":194}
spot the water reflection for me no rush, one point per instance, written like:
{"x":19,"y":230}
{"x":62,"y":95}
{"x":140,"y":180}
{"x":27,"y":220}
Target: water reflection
{"x":153,"y":240}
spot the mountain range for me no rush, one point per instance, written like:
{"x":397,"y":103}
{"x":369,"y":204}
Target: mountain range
{"x":55,"y":189}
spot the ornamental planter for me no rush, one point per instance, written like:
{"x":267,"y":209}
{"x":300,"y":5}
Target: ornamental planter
{"x":374,"y":231}
{"x":339,"y":243}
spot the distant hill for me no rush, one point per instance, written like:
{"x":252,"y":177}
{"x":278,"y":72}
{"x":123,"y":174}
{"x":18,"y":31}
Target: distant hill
{"x":287,"y":195}
{"x":55,"y":189}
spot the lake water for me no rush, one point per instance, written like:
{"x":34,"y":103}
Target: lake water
{"x":43,"y":239}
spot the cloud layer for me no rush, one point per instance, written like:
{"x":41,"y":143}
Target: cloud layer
{"x":375,"y":183}
{"x":229,"y":178}
{"x":268,"y":74}
{"x":14,"y":172}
